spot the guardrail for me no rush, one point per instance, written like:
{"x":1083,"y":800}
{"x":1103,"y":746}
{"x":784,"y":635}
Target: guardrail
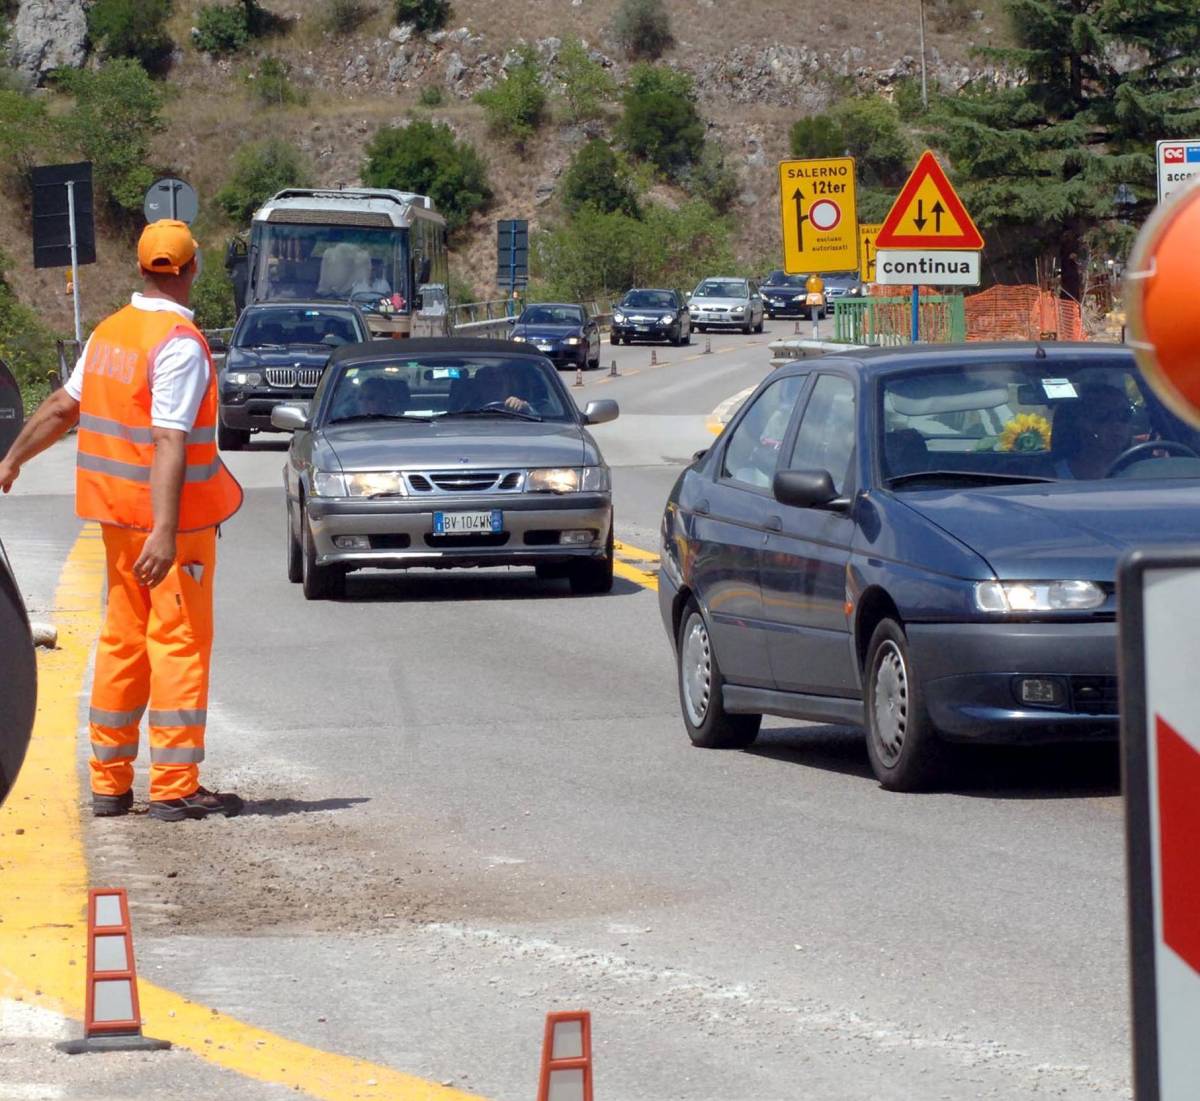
{"x":489,"y":319}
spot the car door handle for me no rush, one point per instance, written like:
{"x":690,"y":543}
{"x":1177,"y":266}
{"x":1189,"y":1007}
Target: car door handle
{"x":774,"y":523}
{"x":702,"y":507}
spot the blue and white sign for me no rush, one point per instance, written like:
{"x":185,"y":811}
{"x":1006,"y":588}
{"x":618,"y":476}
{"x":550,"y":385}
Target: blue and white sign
{"x":1178,"y":165}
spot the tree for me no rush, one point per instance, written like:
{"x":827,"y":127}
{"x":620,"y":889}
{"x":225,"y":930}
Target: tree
{"x":661,"y":123}
{"x":424,"y":15}
{"x":643,"y":28}
{"x":212,"y":296}
{"x":816,"y":136}
{"x":516,"y":105}
{"x":594,"y":178}
{"x":712,"y":179}
{"x":427,"y":158}
{"x":586,"y":83}
{"x":116,"y":113}
{"x":260,"y":169}
{"x":132,"y":28}
{"x":27,"y":134}
{"x":1092,"y":84}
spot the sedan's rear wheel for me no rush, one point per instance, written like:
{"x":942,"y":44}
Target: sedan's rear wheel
{"x":903,"y":747}
{"x":319,"y":582}
{"x":701,"y":684}
{"x":295,"y":553}
{"x":613,"y":338}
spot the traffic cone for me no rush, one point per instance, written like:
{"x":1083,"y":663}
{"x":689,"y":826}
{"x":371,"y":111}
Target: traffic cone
{"x":112,"y":1019}
{"x":612,"y":371}
{"x":797,"y":329}
{"x":708,"y":345}
{"x":653,"y":357}
{"x":578,"y":376}
{"x":566,"y":1073}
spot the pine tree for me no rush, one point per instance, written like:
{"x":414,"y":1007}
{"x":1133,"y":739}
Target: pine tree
{"x":1091,"y":85}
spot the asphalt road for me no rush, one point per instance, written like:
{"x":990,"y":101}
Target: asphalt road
{"x":472,"y":801}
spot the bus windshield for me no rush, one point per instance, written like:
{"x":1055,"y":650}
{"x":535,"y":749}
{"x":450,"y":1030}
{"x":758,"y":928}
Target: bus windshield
{"x":360,"y":264}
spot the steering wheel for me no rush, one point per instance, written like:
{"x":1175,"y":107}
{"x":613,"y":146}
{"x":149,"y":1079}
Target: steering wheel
{"x":1130,"y":454}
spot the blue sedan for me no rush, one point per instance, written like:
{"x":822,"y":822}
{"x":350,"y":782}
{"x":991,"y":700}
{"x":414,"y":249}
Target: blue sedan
{"x":922,"y":542}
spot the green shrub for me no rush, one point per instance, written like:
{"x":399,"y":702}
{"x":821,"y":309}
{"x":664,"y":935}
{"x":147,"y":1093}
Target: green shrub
{"x":424,"y":15}
{"x":595,"y":178}
{"x":221,"y":29}
{"x":461,"y":290}
{"x":516,"y":105}
{"x":28,"y":135}
{"x":116,"y":113}
{"x":661,"y":123}
{"x":259,"y":169}
{"x":132,"y":28}
{"x":710,"y":178}
{"x":432,"y":96}
{"x":271,"y":84}
{"x":26,"y":345}
{"x":344,"y":16}
{"x":816,"y":136}
{"x":427,"y":158}
{"x":586,"y":83}
{"x":906,"y":95}
{"x":871,"y":132}
{"x":643,"y":28}
{"x":212,"y":295}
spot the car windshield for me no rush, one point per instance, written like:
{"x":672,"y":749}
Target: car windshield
{"x":782,"y":279}
{"x":722,"y":288}
{"x":655,"y":300}
{"x":1075,"y":420}
{"x":285,"y":325}
{"x":551,"y":315}
{"x":448,"y":386}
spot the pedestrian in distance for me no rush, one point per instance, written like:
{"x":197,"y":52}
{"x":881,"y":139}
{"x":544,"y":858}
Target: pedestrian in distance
{"x":144,"y":398}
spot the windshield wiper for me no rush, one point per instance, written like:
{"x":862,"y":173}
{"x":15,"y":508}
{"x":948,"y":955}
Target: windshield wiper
{"x":382,"y":417}
{"x":266,"y":346}
{"x":499,"y":412}
{"x":981,"y":476}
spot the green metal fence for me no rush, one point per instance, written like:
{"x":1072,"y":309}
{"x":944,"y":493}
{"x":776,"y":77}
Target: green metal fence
{"x":888,"y":321}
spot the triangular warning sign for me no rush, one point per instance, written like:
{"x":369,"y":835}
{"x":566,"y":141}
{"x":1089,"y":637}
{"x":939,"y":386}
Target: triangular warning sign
{"x":928,"y":214}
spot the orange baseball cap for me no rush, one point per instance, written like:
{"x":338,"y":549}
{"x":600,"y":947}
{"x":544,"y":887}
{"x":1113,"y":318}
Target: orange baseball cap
{"x":166,"y":246}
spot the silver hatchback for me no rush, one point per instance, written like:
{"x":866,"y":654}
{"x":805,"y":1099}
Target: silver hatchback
{"x":445,"y":453}
{"x":727,"y":302}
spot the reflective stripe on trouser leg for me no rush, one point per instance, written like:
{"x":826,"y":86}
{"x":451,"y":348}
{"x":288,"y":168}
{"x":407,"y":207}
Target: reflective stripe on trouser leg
{"x":179,"y":644}
{"x":121,"y":682}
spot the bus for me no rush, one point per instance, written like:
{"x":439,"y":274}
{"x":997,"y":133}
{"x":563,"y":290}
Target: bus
{"x":382,"y":250}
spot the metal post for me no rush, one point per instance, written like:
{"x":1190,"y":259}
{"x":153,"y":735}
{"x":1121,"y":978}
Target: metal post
{"x":916,"y":315}
{"x":74,"y":260}
{"x":174,"y":191}
{"x":816,"y":311}
{"x":924,"y":74}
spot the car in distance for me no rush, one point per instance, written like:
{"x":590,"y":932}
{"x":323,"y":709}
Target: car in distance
{"x":924,"y":542}
{"x":840,"y":284}
{"x":651,"y":314}
{"x":445,"y":453}
{"x":726,"y":302}
{"x":560,"y":331}
{"x":784,"y":295}
{"x":277,"y":353}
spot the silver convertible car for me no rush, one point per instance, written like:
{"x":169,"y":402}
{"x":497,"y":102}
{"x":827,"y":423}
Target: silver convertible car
{"x":444,"y":453}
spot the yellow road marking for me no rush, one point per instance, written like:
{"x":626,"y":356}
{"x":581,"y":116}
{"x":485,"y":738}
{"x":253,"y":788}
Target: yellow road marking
{"x":43,"y":889}
{"x":636,"y":565}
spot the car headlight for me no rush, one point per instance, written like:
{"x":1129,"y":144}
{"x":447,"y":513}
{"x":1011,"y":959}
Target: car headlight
{"x":568,"y":479}
{"x":246,"y":378}
{"x":618,"y":317}
{"x":735,"y":310}
{"x":573,"y":340}
{"x":1038,"y":596}
{"x":328,"y":485}
{"x":376,"y":483}
{"x":517,"y":339}
{"x":666,"y":319}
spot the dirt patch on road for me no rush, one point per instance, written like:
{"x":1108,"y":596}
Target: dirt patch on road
{"x":291,"y":864}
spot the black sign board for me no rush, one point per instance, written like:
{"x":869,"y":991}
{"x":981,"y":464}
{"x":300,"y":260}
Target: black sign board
{"x":12,"y":410}
{"x":512,"y":252}
{"x":51,"y":215}
{"x":19,"y":698}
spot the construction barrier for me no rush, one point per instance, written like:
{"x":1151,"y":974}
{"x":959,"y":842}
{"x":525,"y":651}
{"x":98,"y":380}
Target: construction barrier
{"x":886,"y":319}
{"x":566,"y":1073}
{"x":1022,"y":313}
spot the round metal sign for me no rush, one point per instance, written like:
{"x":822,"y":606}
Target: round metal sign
{"x":18,"y":701}
{"x":12,"y":409}
{"x":171,"y":198}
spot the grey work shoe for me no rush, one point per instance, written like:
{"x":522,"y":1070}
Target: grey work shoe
{"x":111,"y":806}
{"x":200,"y":804}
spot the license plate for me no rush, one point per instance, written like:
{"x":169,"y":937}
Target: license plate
{"x":643,"y":328}
{"x":544,"y":347}
{"x":468,"y":523}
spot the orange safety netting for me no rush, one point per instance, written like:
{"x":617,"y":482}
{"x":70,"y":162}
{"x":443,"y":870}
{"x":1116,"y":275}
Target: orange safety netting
{"x":1022,"y":313}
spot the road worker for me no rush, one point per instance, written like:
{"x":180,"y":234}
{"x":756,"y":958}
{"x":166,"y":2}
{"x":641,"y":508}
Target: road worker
{"x":144,"y":396}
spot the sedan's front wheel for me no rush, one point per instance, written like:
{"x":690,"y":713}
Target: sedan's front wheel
{"x":594,"y":575}
{"x":701,"y":685}
{"x":319,"y":582}
{"x":295,"y":553}
{"x":903,"y":747}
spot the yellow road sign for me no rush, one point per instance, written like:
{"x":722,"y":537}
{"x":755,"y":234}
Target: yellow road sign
{"x":928,"y":214}
{"x":867,"y":232}
{"x":818,"y":203}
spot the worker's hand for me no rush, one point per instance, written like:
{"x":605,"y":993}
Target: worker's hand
{"x":156,"y":559}
{"x":517,"y":404}
{"x":8,"y":474}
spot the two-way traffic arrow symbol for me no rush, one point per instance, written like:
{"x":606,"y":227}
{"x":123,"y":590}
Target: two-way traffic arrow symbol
{"x":937,"y":210}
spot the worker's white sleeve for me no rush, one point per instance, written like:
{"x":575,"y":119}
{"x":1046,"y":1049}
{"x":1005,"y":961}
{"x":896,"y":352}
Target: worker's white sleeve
{"x":178,"y":379}
{"x":74,"y":384}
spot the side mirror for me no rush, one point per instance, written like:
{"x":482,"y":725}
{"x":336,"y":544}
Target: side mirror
{"x":698,"y":455}
{"x":289,"y":418}
{"x":217,"y":346}
{"x":601,"y":412}
{"x":807,"y":489}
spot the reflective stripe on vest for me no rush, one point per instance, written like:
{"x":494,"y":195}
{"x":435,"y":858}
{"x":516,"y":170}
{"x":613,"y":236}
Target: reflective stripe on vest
{"x":116,"y":435}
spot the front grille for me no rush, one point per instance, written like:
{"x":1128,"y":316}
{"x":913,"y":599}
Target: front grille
{"x":477,"y":539}
{"x":389,"y":542}
{"x":542,"y":538}
{"x":467,"y":481}
{"x":511,"y":480}
{"x":281,"y":376}
{"x":308,"y":376}
{"x":455,"y":482}
{"x":420,"y":483}
{"x":1094,"y":695}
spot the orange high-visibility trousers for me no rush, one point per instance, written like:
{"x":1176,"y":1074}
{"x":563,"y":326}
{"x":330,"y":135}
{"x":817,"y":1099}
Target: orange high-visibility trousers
{"x":154,"y":649}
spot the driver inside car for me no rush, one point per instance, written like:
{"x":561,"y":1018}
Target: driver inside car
{"x":1091,"y":433}
{"x":516,"y":390}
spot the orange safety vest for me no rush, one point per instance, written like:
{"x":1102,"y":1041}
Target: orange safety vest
{"x":116,"y":444}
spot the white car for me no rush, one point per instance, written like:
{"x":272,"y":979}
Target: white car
{"x":726,"y":302}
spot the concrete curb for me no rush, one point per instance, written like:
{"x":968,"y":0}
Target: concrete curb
{"x":784,"y":351}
